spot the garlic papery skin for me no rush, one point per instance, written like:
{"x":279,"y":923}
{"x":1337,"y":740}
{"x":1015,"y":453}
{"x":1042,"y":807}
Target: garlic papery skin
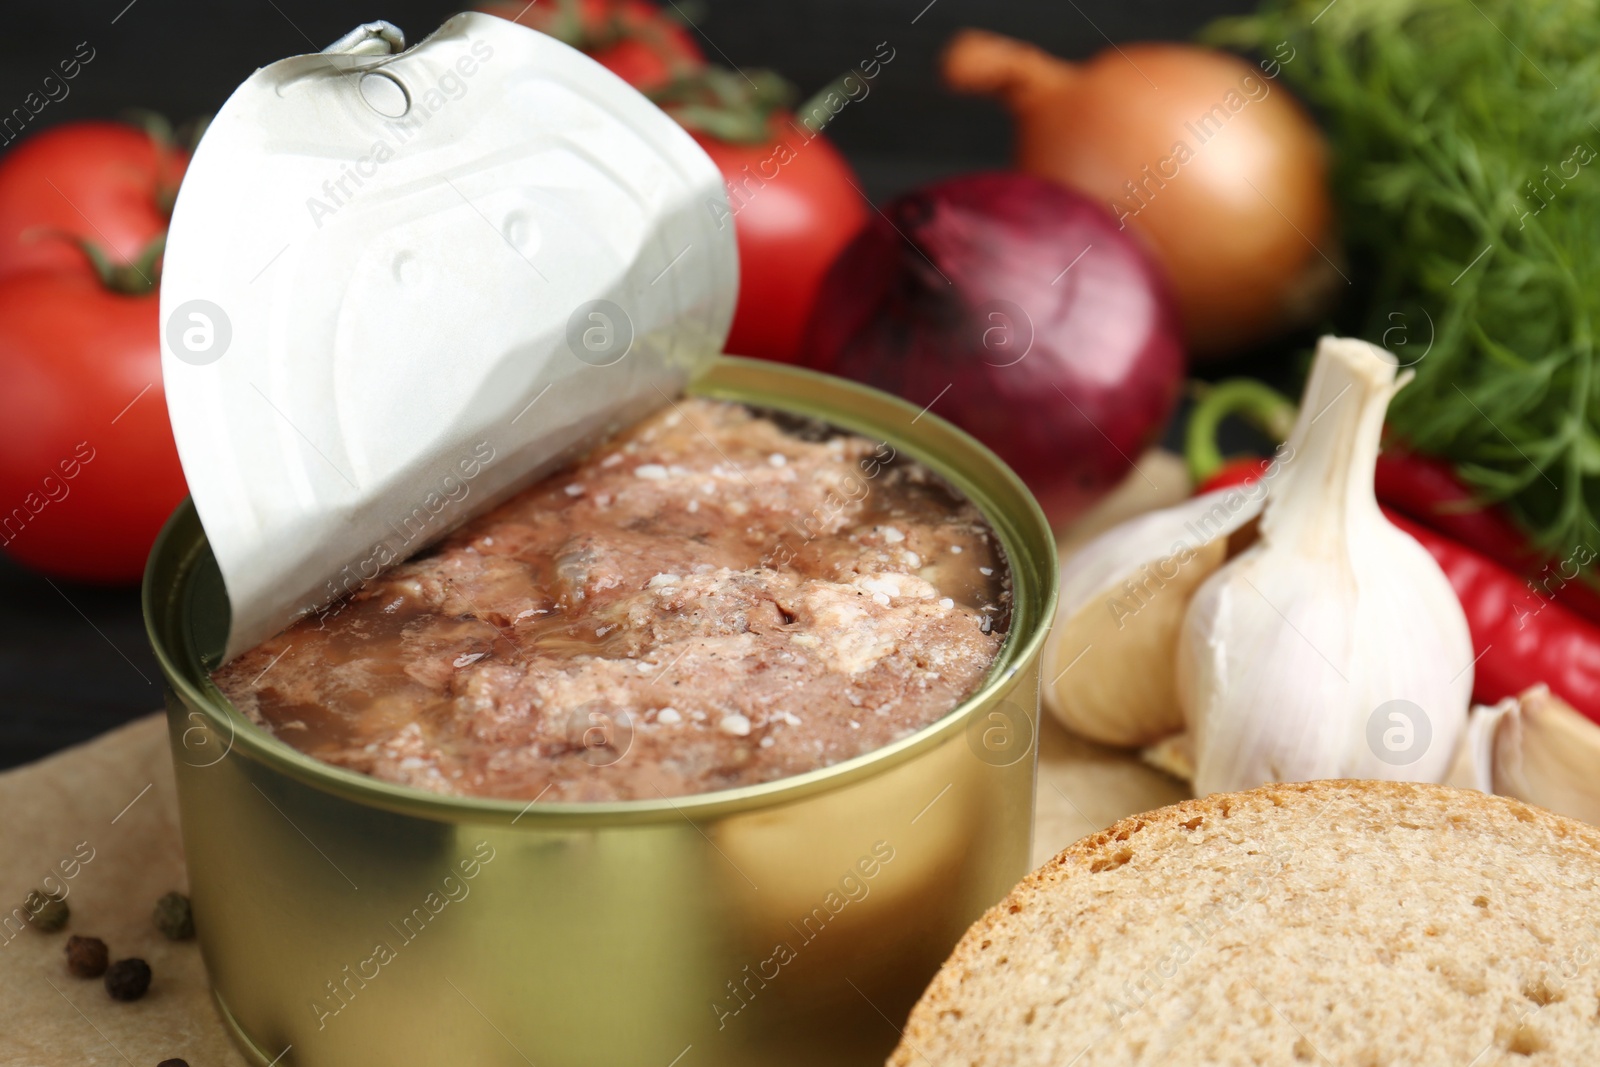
{"x":1108,"y":666}
{"x":1332,"y":647}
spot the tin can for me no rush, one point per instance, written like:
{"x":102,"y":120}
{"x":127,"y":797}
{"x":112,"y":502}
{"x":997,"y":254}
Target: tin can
{"x":348,"y":920}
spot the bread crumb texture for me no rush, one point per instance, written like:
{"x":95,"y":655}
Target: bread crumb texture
{"x":1349,"y":923}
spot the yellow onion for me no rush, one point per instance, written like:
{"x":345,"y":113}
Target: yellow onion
{"x":1205,"y":155}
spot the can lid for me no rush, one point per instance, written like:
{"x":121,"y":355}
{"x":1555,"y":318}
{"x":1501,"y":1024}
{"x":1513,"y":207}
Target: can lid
{"x":398,"y":287}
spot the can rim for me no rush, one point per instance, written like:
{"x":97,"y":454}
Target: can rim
{"x":972,"y":468}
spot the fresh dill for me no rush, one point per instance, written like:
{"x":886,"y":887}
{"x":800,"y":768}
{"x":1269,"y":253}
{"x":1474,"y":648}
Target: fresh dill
{"x":1466,"y":138}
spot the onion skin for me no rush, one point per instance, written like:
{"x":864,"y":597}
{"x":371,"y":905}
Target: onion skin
{"x":977,"y":296}
{"x":1241,"y":225}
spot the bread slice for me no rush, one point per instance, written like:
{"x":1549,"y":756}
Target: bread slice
{"x":1350,"y":923}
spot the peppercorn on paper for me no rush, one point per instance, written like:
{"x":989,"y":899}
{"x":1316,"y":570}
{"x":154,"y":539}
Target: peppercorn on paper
{"x":399,"y":287}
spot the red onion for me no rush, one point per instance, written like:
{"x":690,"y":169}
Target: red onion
{"x":1019,"y":311}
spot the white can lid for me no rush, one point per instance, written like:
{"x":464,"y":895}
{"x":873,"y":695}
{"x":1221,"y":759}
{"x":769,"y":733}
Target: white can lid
{"x":399,"y":287}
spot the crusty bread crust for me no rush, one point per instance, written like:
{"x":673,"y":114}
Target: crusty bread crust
{"x":935,"y":1021}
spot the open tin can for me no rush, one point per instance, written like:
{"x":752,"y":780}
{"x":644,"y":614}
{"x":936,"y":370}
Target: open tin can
{"x":324,"y":358}
{"x":348,"y":920}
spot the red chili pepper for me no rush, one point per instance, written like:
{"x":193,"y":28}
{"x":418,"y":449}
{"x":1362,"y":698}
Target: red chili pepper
{"x":1521,"y":639}
{"x":1428,"y":491}
{"x":1239,"y":471}
{"x":1423,"y":489}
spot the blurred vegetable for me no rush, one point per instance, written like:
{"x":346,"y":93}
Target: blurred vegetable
{"x":97,"y":181}
{"x":1464,"y":138}
{"x":1241,"y":470}
{"x":88,"y":468}
{"x":1014,"y":308}
{"x":789,"y":233}
{"x":1420,"y":488}
{"x":794,"y":201}
{"x":1521,"y":640}
{"x":1199,"y":151}
{"x":1255,"y":402}
{"x":1428,"y":491}
{"x":636,"y":40}
{"x":1521,"y":635}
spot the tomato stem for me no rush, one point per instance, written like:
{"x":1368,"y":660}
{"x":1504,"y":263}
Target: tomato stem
{"x":624,"y":26}
{"x":619,"y":25}
{"x":137,"y":277}
{"x":819,"y":101}
{"x":567,"y":26}
{"x":168,"y":146}
{"x":733,"y":106}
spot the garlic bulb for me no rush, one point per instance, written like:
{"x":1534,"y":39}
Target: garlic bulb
{"x":1536,"y":748}
{"x":1108,"y":669}
{"x":1321,"y":642}
{"x":1333,"y":647}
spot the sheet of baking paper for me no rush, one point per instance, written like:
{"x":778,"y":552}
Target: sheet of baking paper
{"x":397,"y":288}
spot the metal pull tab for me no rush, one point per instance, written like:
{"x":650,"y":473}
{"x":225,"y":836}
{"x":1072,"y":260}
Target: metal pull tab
{"x":370,"y":39}
{"x":383,"y":92}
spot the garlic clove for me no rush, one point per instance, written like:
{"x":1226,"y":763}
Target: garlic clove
{"x":1332,"y":647}
{"x":1546,"y":753}
{"x":1108,"y":668}
{"x":1172,"y":755}
{"x":1474,"y":764}
{"x":1253,"y":671}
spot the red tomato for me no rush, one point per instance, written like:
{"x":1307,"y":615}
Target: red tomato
{"x":101,"y":181}
{"x":796,"y":204}
{"x":634,"y":39}
{"x":88,"y":468}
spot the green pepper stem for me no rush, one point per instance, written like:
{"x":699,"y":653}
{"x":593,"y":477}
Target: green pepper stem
{"x":1253,"y":401}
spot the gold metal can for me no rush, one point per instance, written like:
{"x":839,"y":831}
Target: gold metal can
{"x":346,"y":920}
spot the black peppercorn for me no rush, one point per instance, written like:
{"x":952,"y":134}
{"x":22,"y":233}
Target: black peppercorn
{"x":128,"y":979}
{"x":49,"y":913}
{"x":173,"y":917}
{"x":86,"y":956}
{"x":173,"y":1063}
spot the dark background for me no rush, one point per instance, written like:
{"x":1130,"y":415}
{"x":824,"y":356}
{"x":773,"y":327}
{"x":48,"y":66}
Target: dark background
{"x":73,"y":659}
